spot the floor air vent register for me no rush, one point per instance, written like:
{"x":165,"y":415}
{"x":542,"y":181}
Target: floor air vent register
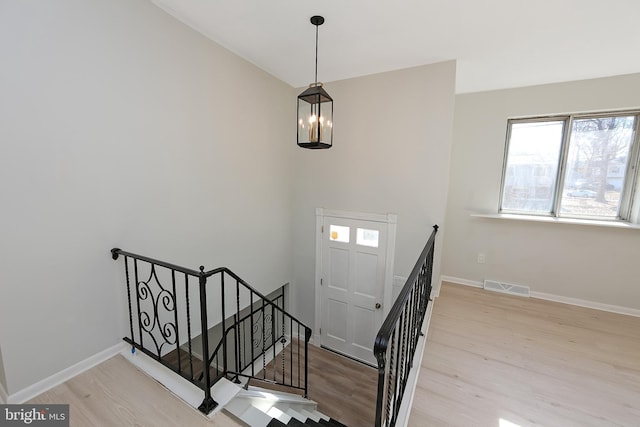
{"x":506,"y":288}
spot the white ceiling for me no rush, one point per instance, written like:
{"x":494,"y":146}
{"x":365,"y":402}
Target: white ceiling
{"x":497,"y":43}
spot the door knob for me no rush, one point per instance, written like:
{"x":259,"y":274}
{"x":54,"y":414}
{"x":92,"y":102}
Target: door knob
{"x":378,"y":306}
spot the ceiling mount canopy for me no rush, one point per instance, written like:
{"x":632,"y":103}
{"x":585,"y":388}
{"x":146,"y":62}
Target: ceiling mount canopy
{"x":317,"y":20}
{"x":315,"y":109}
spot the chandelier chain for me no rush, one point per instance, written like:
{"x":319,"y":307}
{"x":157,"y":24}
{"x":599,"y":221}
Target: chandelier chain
{"x":316,"y":55}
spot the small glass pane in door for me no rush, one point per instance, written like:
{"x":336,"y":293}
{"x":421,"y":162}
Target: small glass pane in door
{"x":366,"y":237}
{"x":339,"y":233}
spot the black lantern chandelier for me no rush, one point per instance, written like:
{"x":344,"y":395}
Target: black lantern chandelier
{"x":315,"y":110}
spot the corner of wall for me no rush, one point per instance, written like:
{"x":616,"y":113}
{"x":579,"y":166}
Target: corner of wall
{"x":4,"y":394}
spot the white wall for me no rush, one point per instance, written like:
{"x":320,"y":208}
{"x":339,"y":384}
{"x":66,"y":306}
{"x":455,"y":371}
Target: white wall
{"x":585,"y":262}
{"x":120,"y":126}
{"x":391,"y":148}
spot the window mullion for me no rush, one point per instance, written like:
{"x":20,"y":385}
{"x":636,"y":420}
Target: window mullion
{"x":562,"y":166}
{"x":631,"y":175}
{"x":504,"y":164}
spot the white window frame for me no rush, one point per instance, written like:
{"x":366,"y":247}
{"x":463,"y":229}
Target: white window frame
{"x":629,"y":209}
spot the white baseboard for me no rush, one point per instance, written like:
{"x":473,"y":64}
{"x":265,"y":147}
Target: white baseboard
{"x":4,"y":396}
{"x":64,"y":375}
{"x":460,"y":281}
{"x":588,"y":304}
{"x":556,"y":298}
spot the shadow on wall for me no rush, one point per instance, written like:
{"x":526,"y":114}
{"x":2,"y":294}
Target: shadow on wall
{"x":3,"y":379}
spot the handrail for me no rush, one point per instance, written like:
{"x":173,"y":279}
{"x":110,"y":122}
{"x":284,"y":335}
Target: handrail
{"x":280,"y":322}
{"x":249,"y":287}
{"x":160,"y":310}
{"x":117,"y":251}
{"x":232,"y":328}
{"x":396,"y":341}
{"x":401,"y":299}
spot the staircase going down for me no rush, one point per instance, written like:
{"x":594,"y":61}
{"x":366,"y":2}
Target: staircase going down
{"x":258,"y":407}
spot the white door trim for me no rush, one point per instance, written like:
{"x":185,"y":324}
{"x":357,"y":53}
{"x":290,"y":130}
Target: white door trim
{"x":391,"y":220}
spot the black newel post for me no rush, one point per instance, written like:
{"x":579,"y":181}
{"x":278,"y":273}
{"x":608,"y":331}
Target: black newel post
{"x":208,"y":404}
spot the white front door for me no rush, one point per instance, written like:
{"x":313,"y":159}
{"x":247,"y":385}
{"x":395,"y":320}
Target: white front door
{"x":352,"y":284}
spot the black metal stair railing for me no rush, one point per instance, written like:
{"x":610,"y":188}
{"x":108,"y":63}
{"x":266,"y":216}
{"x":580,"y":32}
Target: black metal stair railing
{"x":259,"y":336}
{"x":256,"y":337}
{"x":397,"y":339}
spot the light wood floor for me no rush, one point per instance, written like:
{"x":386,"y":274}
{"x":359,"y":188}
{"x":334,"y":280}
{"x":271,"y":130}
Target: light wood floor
{"x":116,"y":393}
{"x":491,"y":357}
{"x":344,"y":389}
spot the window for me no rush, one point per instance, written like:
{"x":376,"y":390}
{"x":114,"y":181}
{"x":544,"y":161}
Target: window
{"x":365,"y":237}
{"x":575,"y":166}
{"x":339,"y":233}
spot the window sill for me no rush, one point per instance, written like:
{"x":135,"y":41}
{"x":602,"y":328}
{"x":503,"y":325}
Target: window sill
{"x":548,"y":219}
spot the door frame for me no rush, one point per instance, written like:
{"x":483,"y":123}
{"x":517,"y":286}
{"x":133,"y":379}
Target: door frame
{"x":391,"y":221}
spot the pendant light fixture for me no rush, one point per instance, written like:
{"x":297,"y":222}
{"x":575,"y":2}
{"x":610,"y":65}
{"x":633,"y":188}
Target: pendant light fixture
{"x":315,"y":110}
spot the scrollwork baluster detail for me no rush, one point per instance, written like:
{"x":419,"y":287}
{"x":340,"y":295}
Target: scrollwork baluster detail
{"x":156,"y":311}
